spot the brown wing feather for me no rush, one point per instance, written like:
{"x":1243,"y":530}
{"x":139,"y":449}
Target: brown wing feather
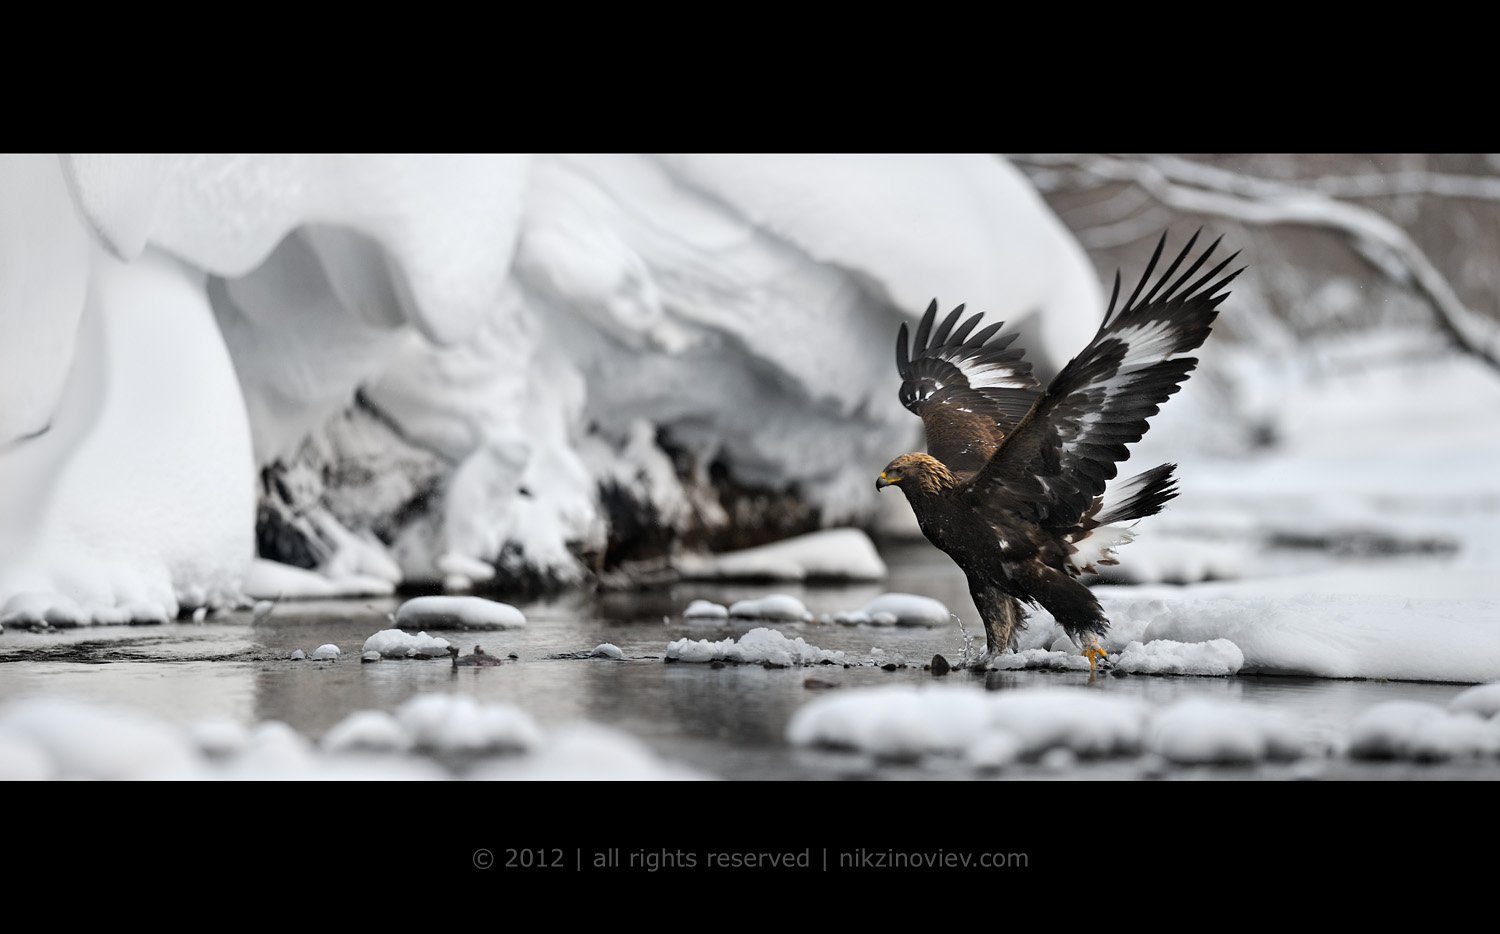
{"x":1062,"y":453}
{"x":969,"y":390}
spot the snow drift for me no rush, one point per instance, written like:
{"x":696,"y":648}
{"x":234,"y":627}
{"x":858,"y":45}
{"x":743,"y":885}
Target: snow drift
{"x":444,"y":368}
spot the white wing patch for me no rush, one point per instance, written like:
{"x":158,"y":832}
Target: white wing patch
{"x":987,"y":375}
{"x":1098,"y":547}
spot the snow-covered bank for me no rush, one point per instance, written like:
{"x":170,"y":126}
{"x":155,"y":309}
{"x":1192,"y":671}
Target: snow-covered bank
{"x":451,"y":366}
{"x":832,"y":554}
{"x":431,"y":736}
{"x":1361,"y":634}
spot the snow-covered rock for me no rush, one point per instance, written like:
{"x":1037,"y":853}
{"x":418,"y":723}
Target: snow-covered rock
{"x":451,"y":723}
{"x":431,"y":737}
{"x":1482,"y":699}
{"x":1165,"y":657}
{"x":446,"y":613}
{"x":1198,"y":730}
{"x":89,"y":741}
{"x":1424,"y":732}
{"x":844,"y":554}
{"x":705,"y":610}
{"x":22,"y":760}
{"x":906,"y":609}
{"x":1089,"y":723}
{"x":219,"y":737}
{"x":1058,"y":660}
{"x":778,"y":607}
{"x":393,"y":643}
{"x":901,"y":721}
{"x":367,"y":730}
{"x":896,"y":721}
{"x":587,"y":752}
{"x":758,"y":646}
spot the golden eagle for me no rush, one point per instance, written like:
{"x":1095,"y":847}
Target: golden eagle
{"x":1015,"y":486}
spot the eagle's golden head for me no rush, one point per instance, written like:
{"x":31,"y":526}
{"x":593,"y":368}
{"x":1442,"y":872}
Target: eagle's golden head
{"x":916,"y":472}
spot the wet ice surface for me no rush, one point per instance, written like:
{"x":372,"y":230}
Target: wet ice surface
{"x":728,"y":721}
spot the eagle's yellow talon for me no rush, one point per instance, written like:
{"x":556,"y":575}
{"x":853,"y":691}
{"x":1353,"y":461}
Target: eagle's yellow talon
{"x":1094,"y":654}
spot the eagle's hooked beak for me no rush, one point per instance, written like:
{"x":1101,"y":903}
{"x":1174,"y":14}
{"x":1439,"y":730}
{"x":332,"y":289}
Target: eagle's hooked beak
{"x":883,"y":481}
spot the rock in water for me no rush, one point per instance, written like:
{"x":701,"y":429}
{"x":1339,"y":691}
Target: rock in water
{"x":940,"y":665}
{"x":480,"y":658}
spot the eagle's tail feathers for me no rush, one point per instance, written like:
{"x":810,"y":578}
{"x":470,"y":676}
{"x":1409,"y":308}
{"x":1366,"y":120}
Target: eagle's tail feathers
{"x":1142,"y":495}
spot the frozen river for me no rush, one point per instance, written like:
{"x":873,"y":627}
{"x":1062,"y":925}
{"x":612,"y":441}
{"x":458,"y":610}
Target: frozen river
{"x":727,"y":721}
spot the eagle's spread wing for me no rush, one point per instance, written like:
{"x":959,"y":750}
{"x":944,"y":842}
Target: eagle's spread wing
{"x":968,"y":390}
{"x":1058,"y":459}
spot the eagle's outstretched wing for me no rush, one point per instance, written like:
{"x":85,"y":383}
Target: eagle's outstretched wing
{"x":968,"y":390}
{"x":1058,"y":459}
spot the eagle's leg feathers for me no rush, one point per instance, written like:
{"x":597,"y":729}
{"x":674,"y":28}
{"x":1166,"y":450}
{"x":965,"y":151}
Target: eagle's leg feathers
{"x":1003,"y":621}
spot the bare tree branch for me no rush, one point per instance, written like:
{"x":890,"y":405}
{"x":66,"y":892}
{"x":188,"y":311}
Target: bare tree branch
{"x":1202,"y":189}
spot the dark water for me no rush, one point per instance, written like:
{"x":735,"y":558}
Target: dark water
{"x":727,"y":721}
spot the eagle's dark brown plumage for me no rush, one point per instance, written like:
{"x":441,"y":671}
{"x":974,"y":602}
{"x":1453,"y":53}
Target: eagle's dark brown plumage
{"x":1013,"y":486}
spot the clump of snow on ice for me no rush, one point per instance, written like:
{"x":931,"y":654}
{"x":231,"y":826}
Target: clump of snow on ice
{"x":1199,"y":730}
{"x":219,"y":738}
{"x":369,"y":655}
{"x":458,"y":613}
{"x":1482,"y":699}
{"x":275,"y":750}
{"x":607,"y":650}
{"x":369,"y":730}
{"x":451,"y":723}
{"x":705,"y":609}
{"x":1424,"y":732}
{"x":89,"y":741}
{"x":22,"y":760}
{"x":1039,"y":658}
{"x":393,"y":643}
{"x":44,"y":739}
{"x":908,"y":609}
{"x":902,"y":721}
{"x":587,"y":752}
{"x":855,"y":618}
{"x":779,"y":607}
{"x":35,"y":609}
{"x":994,"y":749}
{"x":1166,"y":657}
{"x":326,"y":651}
{"x":1090,"y":723}
{"x":261,"y":611}
{"x":897,"y":721}
{"x":758,"y":646}
{"x":297,"y":655}
{"x":844,"y":554}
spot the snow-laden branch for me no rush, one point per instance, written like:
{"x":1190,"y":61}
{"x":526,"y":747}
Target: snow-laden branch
{"x":1202,"y":189}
